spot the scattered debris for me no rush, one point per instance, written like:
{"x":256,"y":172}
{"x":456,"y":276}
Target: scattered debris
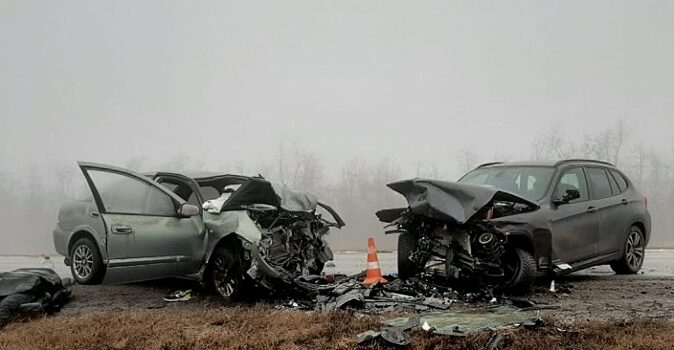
{"x":459,"y":323}
{"x":477,"y":320}
{"x":396,"y":335}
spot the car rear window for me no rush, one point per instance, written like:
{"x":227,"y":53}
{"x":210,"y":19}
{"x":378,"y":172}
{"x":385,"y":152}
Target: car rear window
{"x":620,"y":180}
{"x":601,"y":188}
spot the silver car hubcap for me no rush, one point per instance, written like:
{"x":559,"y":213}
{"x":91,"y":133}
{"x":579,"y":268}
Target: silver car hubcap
{"x":83,"y":262}
{"x":634,"y":251}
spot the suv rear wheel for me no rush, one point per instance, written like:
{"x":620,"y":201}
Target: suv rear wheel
{"x":633,"y":253}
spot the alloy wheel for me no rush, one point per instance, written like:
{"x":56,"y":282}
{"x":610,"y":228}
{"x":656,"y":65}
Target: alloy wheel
{"x":222,"y":277}
{"x":83,"y":262}
{"x":634,"y":250}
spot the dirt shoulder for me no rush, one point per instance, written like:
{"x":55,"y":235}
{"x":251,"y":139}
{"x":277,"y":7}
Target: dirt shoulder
{"x":262,"y":328}
{"x":599,"y":312}
{"x":590,"y":298}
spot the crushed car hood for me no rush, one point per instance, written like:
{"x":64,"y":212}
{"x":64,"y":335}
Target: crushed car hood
{"x":260,"y":191}
{"x":448,"y":201}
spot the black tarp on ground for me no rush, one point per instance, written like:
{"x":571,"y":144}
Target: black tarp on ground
{"x":36,"y":289}
{"x":447,"y":201}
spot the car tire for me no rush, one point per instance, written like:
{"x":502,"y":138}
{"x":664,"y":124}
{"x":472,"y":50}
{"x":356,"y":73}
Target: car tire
{"x":406,"y":246}
{"x":224,"y":273}
{"x":519,"y":269}
{"x":86,"y":263}
{"x":634,"y":251}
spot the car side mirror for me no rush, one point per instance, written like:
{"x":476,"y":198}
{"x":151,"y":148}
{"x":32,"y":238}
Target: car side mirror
{"x":569,"y":195}
{"x":187,"y":210}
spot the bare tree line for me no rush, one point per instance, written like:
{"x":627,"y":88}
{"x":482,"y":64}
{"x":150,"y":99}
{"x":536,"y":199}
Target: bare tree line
{"x":30,"y":199}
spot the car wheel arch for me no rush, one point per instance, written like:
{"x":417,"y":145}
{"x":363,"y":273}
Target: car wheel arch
{"x":640,"y":225}
{"x":524,"y":242}
{"x":521,"y":241}
{"x":79,"y":234}
{"x":231,"y":239}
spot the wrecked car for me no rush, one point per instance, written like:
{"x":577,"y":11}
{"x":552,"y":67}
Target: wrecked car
{"x":504,"y":224}
{"x":226,"y":231}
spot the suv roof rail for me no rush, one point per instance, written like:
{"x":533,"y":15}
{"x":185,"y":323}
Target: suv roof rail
{"x":583,"y":160}
{"x":487,"y":164}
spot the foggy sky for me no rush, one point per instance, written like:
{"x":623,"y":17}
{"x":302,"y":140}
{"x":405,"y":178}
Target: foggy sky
{"x":413,"y":81}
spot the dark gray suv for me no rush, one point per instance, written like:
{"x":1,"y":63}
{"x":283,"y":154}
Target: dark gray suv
{"x":504,"y":224}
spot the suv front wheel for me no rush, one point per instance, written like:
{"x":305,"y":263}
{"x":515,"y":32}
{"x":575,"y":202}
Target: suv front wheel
{"x":519,"y":269}
{"x":224,"y":275}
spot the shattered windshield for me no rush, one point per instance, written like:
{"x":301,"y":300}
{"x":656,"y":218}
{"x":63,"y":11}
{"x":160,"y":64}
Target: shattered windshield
{"x":529,"y":182}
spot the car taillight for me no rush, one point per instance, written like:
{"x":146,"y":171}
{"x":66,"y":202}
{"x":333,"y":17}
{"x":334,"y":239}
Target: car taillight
{"x":646,"y":201}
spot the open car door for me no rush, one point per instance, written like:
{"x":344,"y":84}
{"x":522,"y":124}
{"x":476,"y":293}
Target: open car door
{"x":147,"y":238}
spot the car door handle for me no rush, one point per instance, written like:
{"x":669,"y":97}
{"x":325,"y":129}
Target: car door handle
{"x":121,"y":229}
{"x":624,"y":202}
{"x":591,"y":210}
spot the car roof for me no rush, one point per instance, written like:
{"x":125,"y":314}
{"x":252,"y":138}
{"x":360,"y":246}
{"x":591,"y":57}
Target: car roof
{"x":548,"y":163}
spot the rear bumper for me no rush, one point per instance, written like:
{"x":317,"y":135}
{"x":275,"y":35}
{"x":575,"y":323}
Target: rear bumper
{"x":61,"y":240}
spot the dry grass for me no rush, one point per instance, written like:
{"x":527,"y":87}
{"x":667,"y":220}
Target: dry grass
{"x":264,"y":328}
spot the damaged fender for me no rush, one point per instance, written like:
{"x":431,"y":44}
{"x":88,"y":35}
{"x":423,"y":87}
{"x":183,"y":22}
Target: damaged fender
{"x":223,"y":224}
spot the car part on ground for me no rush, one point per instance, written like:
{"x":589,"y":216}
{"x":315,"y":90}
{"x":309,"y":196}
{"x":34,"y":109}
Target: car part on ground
{"x":461,"y":323}
{"x":431,"y":303}
{"x":31,"y":290}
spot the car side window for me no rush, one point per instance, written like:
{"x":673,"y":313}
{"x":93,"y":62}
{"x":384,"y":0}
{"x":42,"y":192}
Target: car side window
{"x":614,"y":186}
{"x":124,"y":194}
{"x":601,"y":187}
{"x":572,"y":179}
{"x":620,"y":180}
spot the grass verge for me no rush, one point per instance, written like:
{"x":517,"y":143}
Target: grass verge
{"x":265,"y":328}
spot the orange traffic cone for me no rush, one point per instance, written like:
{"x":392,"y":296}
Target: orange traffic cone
{"x":373,"y":271}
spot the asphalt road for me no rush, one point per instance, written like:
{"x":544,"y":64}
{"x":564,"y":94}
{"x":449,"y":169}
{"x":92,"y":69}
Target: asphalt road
{"x":595,"y":294}
{"x":658,"y":263}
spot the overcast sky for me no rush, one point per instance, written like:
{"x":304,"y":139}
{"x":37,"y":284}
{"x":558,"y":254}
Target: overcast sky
{"x":409,"y":80}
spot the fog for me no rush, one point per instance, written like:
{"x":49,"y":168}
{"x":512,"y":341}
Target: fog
{"x":338,"y":98}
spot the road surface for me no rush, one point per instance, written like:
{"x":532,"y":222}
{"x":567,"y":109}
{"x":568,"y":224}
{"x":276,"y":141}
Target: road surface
{"x":658,"y":263}
{"x":596,"y":293}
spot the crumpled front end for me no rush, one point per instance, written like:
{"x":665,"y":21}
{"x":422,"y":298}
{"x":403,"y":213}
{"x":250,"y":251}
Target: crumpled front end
{"x":281,"y":234}
{"x":292,"y":244}
{"x":448,"y":229}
